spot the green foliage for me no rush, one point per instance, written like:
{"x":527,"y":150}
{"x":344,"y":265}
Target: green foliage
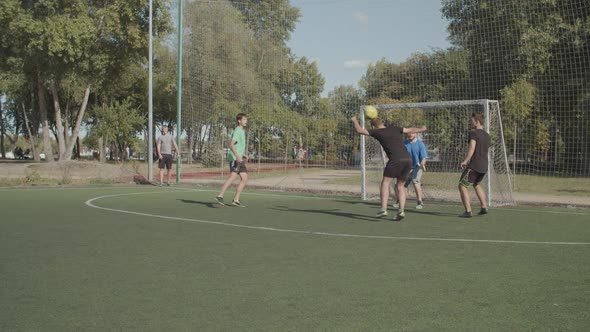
{"x":542,"y":139}
{"x":227,"y":74}
{"x":300,"y":86}
{"x":531,"y":49}
{"x":518,"y":100}
{"x":440,"y":75}
{"x":274,"y":18}
{"x":70,"y":46}
{"x":117,"y":123}
{"x":345,"y":102}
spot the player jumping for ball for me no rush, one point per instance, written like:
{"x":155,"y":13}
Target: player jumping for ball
{"x":399,"y":161}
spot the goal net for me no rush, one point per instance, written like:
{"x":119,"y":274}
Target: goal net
{"x":446,"y":141}
{"x":239,"y":56}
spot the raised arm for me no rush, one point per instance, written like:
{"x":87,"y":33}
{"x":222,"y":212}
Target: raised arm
{"x":358,"y":128}
{"x":414,"y":129}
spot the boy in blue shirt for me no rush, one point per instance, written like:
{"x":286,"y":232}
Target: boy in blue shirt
{"x":419,"y":154}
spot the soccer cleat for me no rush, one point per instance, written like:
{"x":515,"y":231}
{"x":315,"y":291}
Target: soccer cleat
{"x":381,"y":213}
{"x":420,"y":205}
{"x":168,"y":184}
{"x":483,"y":211}
{"x":400,"y":215}
{"x":237,"y":203}
{"x":219,"y":200}
{"x":466,"y":214}
{"x":396,"y":205}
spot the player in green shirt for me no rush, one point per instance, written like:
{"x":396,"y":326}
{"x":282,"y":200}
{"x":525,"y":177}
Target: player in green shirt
{"x":237,"y":157}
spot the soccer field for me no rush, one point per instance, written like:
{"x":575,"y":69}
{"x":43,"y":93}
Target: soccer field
{"x":147,"y":258}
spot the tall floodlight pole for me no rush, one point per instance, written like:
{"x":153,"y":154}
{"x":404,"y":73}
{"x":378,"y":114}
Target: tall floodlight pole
{"x":150,"y":104}
{"x":179,"y":93}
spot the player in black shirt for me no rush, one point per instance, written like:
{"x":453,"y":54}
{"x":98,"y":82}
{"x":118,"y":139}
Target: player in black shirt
{"x":475,"y":166}
{"x":399,"y":163}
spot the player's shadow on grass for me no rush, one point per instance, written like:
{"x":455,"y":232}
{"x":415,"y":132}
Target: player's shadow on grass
{"x":333,"y":212}
{"x":368,"y":203}
{"x":434,"y":213}
{"x":207,"y":204}
{"x":408,"y":210}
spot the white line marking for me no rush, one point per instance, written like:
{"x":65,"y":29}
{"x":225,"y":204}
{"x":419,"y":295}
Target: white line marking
{"x":285,"y":195}
{"x":90,"y":204}
{"x":41,"y":188}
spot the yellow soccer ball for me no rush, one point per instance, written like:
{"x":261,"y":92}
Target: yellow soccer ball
{"x":371,"y":112}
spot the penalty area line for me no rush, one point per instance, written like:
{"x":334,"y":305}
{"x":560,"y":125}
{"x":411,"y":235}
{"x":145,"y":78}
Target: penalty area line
{"x":91,"y":204}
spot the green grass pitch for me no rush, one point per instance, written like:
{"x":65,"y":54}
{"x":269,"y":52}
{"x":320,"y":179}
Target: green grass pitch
{"x":146,"y":258}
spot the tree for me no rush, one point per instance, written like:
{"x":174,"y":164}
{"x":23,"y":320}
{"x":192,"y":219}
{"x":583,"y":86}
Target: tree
{"x":506,"y":40}
{"x":86,"y":42}
{"x":384,"y":79}
{"x":274,"y":18}
{"x":543,"y":42}
{"x":345,"y":102}
{"x":517,"y":104}
{"x":300,"y":86}
{"x":439,"y":75}
{"x":117,"y":124}
{"x":219,"y":75}
{"x":436,"y":76}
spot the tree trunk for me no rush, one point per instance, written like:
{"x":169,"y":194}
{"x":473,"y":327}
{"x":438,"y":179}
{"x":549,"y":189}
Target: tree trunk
{"x":67,"y":120}
{"x":61,"y":144}
{"x":17,"y":126}
{"x":66,"y":142}
{"x":76,"y":129}
{"x":101,"y":151}
{"x":44,"y":122}
{"x":78,"y":152}
{"x":33,"y":142}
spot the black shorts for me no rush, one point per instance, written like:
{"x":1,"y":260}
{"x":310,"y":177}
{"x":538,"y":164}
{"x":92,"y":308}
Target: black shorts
{"x":236,"y":167}
{"x":166,"y":161}
{"x":471,"y":178}
{"x":398,"y":169}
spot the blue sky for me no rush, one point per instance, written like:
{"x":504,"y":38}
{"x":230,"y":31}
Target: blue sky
{"x":344,"y":36}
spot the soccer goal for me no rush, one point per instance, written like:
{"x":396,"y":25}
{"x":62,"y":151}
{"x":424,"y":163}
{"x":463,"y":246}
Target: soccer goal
{"x":446,"y":140}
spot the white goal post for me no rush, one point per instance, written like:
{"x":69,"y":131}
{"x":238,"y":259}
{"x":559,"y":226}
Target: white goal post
{"x":446,"y":140}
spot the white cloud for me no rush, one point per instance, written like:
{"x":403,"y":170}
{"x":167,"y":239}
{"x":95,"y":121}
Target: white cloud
{"x":353,"y":64}
{"x":361,"y":17}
